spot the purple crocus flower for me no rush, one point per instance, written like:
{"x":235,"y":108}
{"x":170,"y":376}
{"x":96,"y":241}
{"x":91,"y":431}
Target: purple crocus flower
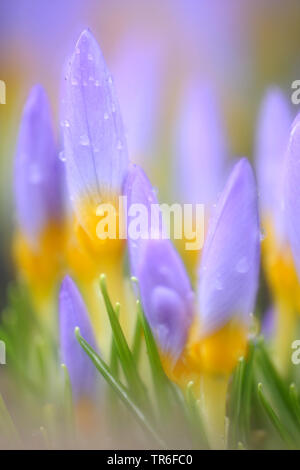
{"x":94,"y":142}
{"x":292,"y":191}
{"x":73,"y":313}
{"x":166,"y":293}
{"x":272,"y":138}
{"x":230,"y":261}
{"x":38,"y":170}
{"x":200,"y":147}
{"x":138,"y":67}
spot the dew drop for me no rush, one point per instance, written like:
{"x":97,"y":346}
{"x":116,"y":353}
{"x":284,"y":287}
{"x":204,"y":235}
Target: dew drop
{"x":119,"y":145}
{"x":242,"y":265}
{"x":77,"y":50}
{"x":90,"y":57}
{"x":66,"y":123}
{"x":74,"y":82}
{"x":106,"y":116}
{"x":91,"y":78}
{"x":110,"y":81}
{"x":113,"y":108}
{"x":84,"y":140}
{"x":62,"y":156}
{"x":97,"y":83}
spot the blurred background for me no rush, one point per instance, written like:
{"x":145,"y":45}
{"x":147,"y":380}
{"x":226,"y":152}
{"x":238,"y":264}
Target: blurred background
{"x":238,"y":47}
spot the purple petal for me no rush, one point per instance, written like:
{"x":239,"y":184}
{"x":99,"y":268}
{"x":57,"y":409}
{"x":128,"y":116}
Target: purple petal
{"x":292,"y":192}
{"x":200,"y":147}
{"x":230,"y":260}
{"x":94,"y":141}
{"x":73,"y":313}
{"x":139,"y":190}
{"x":166,"y":293}
{"x":272,"y":138}
{"x":38,"y":171}
{"x":137,"y":72}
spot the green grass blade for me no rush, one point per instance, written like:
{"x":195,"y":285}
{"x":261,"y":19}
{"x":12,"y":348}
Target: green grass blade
{"x":135,"y":384}
{"x":119,"y":389}
{"x":137,"y":340}
{"x":196,"y":422}
{"x":236,"y":399}
{"x":295,"y":401}
{"x":282,"y":431}
{"x":160,"y":380}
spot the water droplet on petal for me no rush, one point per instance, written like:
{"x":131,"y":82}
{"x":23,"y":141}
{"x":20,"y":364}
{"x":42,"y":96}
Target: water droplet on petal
{"x":62,"y":156}
{"x":97,"y":83}
{"x":106,"y":116}
{"x":84,"y":140}
{"x":91,"y":78}
{"x":113,"y":108}
{"x":110,"y":81}
{"x":77,"y":50}
{"x":90,"y":57}
{"x":242,"y":265}
{"x":119,"y":145}
{"x":74,"y":82}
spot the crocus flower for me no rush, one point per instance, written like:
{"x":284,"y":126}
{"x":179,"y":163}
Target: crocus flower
{"x":38,"y":196}
{"x":272,"y":139}
{"x":72,"y":314}
{"x":292,"y":201}
{"x":201,"y":156}
{"x":94,"y":142}
{"x":165,"y":289}
{"x":228,"y":277}
{"x":200,"y":147}
{"x":96,"y":161}
{"x":137,"y":69}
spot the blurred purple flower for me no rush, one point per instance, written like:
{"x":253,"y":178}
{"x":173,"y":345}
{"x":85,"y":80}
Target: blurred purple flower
{"x":292,"y":191}
{"x":137,"y":70}
{"x":73,"y":313}
{"x":166,"y":293}
{"x":38,"y":171}
{"x":230,"y":259}
{"x":271,"y":141}
{"x":200,"y":147}
{"x":94,"y":142}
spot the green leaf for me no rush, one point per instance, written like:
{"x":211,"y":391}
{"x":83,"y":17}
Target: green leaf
{"x":278,"y":425}
{"x":236,"y":400}
{"x":137,"y":340}
{"x":136,"y":386}
{"x":277,"y":389}
{"x":119,"y":389}
{"x":295,"y":401}
{"x":196,"y":422}
{"x":160,"y":379}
